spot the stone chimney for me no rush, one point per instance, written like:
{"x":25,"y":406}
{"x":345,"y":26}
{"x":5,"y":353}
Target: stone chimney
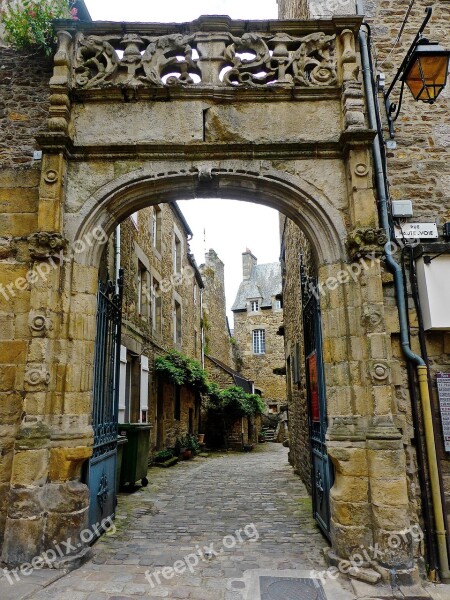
{"x":248,"y":262}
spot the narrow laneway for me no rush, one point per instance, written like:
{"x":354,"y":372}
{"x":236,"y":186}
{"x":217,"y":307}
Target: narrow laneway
{"x":197,"y":507}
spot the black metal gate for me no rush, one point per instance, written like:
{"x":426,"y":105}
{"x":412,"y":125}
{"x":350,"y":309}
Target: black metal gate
{"x":101,"y":470}
{"x":322,"y":473}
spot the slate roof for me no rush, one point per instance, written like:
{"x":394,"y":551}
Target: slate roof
{"x":239,"y":380}
{"x":264,"y":282}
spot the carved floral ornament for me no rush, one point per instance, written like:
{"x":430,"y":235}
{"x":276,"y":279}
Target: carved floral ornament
{"x":254,"y":59}
{"x":43,"y":245}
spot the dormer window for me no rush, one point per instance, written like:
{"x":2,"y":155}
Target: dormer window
{"x":254,"y":306}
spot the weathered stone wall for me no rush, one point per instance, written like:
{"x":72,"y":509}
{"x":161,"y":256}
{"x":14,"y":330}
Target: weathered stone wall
{"x":218,"y":375}
{"x":24,"y":99}
{"x":139,"y":334}
{"x":173,"y":428}
{"x":293,"y":242}
{"x":259,"y":367}
{"x":217,"y":337}
{"x":418,"y":169}
{"x":293,"y":10}
{"x":23,"y":109}
{"x":259,"y":143}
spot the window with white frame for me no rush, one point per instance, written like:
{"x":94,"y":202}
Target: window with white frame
{"x":143,"y":291}
{"x":259,"y":341}
{"x":177,"y":323}
{"x":278,"y":305}
{"x":254,"y":305}
{"x":156,"y":306}
{"x":177,"y":254}
{"x":156,"y":228}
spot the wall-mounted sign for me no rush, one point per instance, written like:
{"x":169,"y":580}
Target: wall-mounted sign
{"x":417,"y":231}
{"x":443,"y":387}
{"x":313,"y":384}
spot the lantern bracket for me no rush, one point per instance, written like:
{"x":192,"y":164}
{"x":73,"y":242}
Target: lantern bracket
{"x":393,"y":108}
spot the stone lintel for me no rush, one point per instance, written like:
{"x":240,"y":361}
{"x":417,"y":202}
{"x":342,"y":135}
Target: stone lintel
{"x":222,"y":94}
{"x":287,"y":151}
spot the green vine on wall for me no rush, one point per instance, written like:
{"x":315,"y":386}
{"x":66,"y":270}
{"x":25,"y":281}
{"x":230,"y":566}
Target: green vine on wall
{"x":29,"y":24}
{"x":233,"y":403}
{"x":181,"y":370}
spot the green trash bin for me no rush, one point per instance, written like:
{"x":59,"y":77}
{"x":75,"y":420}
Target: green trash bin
{"x":121,"y":441}
{"x":135,"y":453}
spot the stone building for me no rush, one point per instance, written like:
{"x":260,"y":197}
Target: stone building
{"x":258,"y":315}
{"x":295,"y":133}
{"x":215,"y":323}
{"x":161,"y":311}
{"x":417,"y":169}
{"x":219,"y":358}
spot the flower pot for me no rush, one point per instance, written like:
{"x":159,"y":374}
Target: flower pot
{"x":187,"y":454}
{"x":201,"y":438}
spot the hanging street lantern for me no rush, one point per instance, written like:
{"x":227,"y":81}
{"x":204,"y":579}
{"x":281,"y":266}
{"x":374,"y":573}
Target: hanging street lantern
{"x":424,"y":70}
{"x":427,"y":70}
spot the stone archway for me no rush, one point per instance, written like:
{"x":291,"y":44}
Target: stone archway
{"x":120,"y":138}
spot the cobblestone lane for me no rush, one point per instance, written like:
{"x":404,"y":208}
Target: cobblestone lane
{"x":197,"y":507}
{"x":193,"y":505}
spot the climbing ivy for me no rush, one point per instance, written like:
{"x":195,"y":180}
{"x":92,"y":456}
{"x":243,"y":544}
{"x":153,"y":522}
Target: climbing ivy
{"x":181,"y":370}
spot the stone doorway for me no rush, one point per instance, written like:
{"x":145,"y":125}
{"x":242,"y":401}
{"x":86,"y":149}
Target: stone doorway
{"x":135,"y":130}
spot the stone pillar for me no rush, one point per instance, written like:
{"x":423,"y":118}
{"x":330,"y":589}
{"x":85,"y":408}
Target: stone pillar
{"x":47,"y":503}
{"x":369,"y":503}
{"x":19,"y":200}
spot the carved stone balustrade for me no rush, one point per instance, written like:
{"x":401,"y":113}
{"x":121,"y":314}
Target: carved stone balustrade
{"x":212,"y":52}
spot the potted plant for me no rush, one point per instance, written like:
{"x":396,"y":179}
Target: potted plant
{"x":162,"y":456}
{"x":189,"y":446}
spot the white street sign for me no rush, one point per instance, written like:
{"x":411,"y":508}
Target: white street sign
{"x":417,"y":231}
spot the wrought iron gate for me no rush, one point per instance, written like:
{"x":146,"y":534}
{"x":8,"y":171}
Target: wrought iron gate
{"x":101,"y":470}
{"x":322,"y":473}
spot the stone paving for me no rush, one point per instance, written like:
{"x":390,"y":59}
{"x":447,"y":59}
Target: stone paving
{"x":246,"y":515}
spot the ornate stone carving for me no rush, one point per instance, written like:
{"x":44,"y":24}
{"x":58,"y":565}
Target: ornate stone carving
{"x":350,"y":67}
{"x":175,"y":59}
{"x":310,"y":63}
{"x":365,"y":241}
{"x":37,"y":376}
{"x":371,"y":318}
{"x":361,"y":170}
{"x":51,"y":176}
{"x":44,"y":245}
{"x":8,"y":248}
{"x":353,"y":105}
{"x":39,"y":324}
{"x":161,"y":58}
{"x":379,"y":371}
{"x":314,"y":62}
{"x":59,"y":109}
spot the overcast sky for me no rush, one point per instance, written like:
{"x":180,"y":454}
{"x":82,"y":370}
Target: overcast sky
{"x":230,"y":226}
{"x":179,"y":10}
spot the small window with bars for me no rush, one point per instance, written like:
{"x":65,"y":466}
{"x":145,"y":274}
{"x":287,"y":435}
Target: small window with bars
{"x":254,"y":306}
{"x":259,"y":341}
